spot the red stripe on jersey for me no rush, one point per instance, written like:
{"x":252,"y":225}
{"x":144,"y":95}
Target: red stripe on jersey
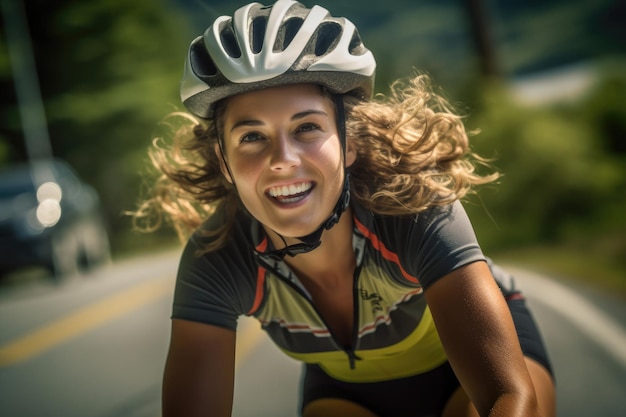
{"x":387,"y":254}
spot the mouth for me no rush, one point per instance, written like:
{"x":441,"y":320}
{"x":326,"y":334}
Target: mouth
{"x":290,"y":194}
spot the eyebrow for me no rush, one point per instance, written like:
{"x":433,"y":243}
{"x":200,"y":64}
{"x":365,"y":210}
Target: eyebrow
{"x":297,"y":116}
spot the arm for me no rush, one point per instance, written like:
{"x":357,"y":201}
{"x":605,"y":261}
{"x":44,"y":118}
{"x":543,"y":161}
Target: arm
{"x":199,"y":372}
{"x":478,"y":335}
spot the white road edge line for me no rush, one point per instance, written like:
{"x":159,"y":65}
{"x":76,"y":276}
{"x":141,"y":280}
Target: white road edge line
{"x":600,"y":327}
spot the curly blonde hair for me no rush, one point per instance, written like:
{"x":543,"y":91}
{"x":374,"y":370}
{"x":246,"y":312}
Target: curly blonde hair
{"x":412,"y":153}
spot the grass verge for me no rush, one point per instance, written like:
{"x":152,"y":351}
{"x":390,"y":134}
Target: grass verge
{"x":588,"y":267}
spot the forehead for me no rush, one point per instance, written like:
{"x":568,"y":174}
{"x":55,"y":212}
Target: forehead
{"x":278,"y":100}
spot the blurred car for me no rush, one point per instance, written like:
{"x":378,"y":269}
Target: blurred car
{"x":50,"y":218}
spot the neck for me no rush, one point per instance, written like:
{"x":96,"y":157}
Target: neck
{"x":334,"y":254}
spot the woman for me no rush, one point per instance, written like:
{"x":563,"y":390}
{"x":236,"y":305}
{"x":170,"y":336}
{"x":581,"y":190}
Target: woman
{"x":334,"y":219}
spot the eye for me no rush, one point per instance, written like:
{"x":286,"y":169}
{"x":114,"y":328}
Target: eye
{"x":251,"y":137}
{"x":307,"y":127}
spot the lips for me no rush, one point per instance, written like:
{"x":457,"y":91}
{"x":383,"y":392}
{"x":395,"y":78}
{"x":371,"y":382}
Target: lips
{"x":292,"y":193}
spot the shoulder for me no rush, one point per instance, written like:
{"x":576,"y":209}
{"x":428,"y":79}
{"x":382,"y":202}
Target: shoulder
{"x":238,"y":236}
{"x":415,"y":226}
{"x":428,"y":245}
{"x":217,"y":286}
{"x":448,"y":242}
{"x":234,"y":258}
{"x":436,"y":217}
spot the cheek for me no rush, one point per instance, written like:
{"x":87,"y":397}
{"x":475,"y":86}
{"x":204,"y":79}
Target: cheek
{"x":242,"y":172}
{"x":330,"y":156}
{"x":246,"y":172}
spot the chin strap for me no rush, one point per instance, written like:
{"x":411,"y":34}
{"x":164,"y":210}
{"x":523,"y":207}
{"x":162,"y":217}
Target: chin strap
{"x":313,"y":240}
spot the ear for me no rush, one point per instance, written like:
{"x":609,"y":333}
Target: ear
{"x":350,"y":152}
{"x":221,"y":159}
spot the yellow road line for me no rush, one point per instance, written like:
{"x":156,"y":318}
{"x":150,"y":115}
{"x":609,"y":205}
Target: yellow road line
{"x":82,"y":321}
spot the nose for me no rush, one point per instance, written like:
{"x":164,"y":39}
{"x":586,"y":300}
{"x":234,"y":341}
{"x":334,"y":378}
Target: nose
{"x":285,"y":154}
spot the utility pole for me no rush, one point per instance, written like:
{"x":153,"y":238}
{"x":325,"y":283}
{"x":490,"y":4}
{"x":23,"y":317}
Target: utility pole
{"x":482,"y":37}
{"x":30,"y":104}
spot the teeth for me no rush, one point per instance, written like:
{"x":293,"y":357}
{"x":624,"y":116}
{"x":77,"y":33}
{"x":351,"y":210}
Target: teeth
{"x":290,"y":190}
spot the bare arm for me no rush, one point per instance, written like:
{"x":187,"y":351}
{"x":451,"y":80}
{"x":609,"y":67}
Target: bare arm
{"x":199,"y":372}
{"x":478,"y":335}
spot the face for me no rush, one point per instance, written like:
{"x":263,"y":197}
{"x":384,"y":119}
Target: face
{"x":284,"y":153}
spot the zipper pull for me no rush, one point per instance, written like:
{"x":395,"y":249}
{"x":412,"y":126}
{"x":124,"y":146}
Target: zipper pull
{"x":352,"y":358}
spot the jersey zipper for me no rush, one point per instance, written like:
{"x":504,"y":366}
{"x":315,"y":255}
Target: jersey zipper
{"x":349,"y":350}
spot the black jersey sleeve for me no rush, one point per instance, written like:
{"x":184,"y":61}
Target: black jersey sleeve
{"x":443,"y":240}
{"x":217,"y":287}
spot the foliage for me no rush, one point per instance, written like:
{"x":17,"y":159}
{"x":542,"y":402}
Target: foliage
{"x":108,"y":72}
{"x":564,"y":170}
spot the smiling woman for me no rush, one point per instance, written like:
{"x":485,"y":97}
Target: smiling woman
{"x":333,"y":219}
{"x":283,"y":155}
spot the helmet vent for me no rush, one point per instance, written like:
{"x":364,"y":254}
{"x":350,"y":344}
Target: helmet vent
{"x":201,"y":62}
{"x":265,"y":46}
{"x":327,"y":37}
{"x":257,"y":33}
{"x":229,"y":42}
{"x":356,"y":44}
{"x":287,"y":32}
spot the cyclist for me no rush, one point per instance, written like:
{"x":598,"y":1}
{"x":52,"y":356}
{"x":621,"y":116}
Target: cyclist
{"x":334,"y":219}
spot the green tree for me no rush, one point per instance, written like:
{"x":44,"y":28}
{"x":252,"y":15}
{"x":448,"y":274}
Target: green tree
{"x":564,"y":171}
{"x":108,"y":72}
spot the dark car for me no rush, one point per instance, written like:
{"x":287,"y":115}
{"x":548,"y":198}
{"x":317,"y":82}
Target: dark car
{"x":49,"y":218}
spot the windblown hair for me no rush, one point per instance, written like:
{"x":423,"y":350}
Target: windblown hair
{"x":412,"y":153}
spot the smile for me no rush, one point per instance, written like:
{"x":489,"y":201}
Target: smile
{"x":293,"y":193}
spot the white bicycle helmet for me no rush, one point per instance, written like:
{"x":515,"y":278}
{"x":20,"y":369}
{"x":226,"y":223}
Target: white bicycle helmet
{"x":266,"y":46}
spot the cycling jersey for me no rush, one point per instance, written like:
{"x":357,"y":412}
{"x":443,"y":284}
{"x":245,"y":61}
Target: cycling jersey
{"x":397,"y":258}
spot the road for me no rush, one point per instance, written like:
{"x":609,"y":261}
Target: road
{"x":95,"y":346}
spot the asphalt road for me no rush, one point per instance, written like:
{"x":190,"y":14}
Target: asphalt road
{"x":95,"y":346}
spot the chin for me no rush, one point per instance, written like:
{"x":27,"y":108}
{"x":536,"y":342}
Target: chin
{"x":291,"y":232}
